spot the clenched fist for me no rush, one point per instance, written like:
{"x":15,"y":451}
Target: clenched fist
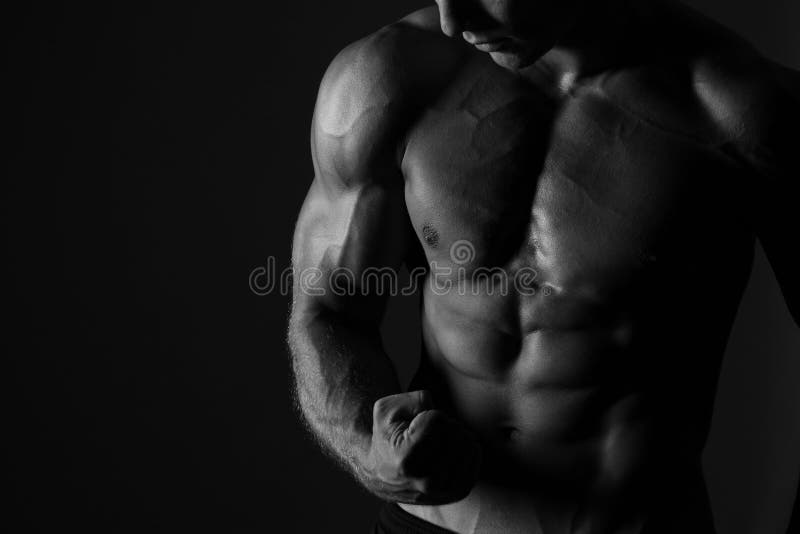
{"x":418,"y":454}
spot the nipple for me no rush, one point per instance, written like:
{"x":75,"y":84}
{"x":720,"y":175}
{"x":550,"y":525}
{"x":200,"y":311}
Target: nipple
{"x":508,"y":432}
{"x":430,"y":235}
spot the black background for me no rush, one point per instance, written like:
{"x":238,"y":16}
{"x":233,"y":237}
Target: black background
{"x":158,"y":155}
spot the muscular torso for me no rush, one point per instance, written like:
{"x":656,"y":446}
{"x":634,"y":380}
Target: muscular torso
{"x":614,"y":225}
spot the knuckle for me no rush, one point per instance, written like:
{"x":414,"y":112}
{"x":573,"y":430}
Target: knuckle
{"x":427,"y":422}
{"x":381,"y":405}
{"x":382,"y":408}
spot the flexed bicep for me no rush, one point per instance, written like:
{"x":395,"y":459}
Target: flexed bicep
{"x":354,"y":218}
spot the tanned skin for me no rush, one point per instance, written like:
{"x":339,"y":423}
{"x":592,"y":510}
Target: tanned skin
{"x":628,"y":153}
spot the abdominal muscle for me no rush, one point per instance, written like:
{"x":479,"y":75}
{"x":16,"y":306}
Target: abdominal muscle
{"x":570,"y":441}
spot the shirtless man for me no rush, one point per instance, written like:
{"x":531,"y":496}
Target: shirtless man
{"x":627,"y":153}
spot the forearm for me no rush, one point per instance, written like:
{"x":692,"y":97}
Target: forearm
{"x":340,"y":369}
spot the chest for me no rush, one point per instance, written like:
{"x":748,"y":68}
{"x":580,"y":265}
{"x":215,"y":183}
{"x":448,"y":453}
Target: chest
{"x":580,"y":188}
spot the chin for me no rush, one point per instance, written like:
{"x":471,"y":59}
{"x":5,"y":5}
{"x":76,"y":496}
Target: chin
{"x":512,"y":60}
{"x":521,"y":54}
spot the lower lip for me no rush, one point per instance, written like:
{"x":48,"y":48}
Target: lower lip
{"x":493,"y":46}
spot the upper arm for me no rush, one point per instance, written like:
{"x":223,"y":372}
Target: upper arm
{"x":354,"y":217}
{"x":756,"y":103}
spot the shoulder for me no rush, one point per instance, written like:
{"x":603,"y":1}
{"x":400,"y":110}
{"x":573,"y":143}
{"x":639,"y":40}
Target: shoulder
{"x":711,"y":84}
{"x":383,"y":73}
{"x":373,"y":88}
{"x":738,"y":88}
{"x":753,"y":102}
{"x":685,"y":72}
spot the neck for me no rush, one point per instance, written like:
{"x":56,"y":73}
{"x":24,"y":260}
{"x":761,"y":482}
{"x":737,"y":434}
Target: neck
{"x":594,"y":43}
